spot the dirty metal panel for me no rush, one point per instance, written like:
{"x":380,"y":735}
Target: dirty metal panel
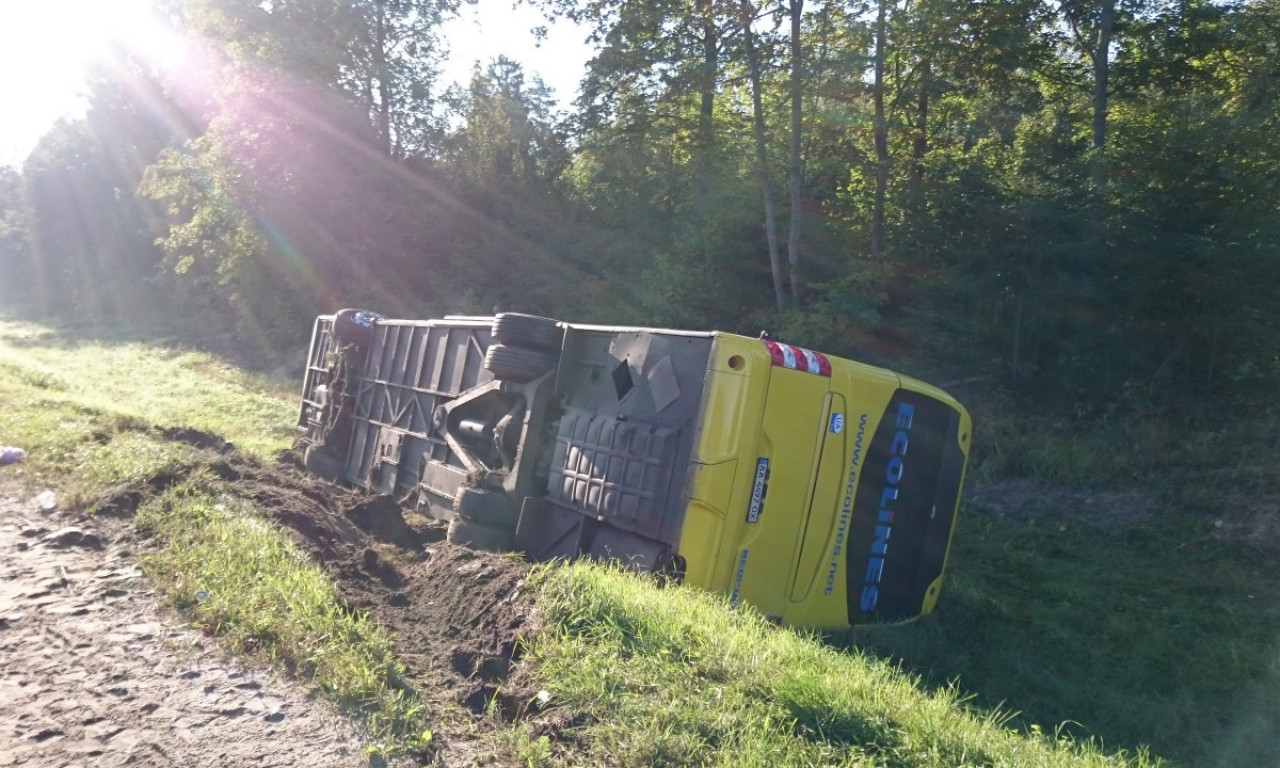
{"x":663,"y":384}
{"x":440,"y":484}
{"x":642,"y":374}
{"x":631,"y":401}
{"x":613,"y":469}
{"x":412,"y":368}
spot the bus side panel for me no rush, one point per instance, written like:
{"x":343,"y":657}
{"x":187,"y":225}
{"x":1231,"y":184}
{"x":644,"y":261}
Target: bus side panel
{"x":781,"y":476}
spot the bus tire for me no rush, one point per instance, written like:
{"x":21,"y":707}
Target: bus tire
{"x":516,"y":363}
{"x":355,"y":326}
{"x":530,"y":331}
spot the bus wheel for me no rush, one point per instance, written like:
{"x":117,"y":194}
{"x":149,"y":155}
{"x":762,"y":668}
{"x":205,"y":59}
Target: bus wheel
{"x":516,"y":330}
{"x":516,"y":363}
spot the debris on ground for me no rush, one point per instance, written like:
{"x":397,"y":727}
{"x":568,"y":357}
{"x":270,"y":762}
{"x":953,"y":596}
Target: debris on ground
{"x":10,"y":455}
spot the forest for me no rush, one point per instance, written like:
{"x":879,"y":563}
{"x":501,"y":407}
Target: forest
{"x":1070,"y":203}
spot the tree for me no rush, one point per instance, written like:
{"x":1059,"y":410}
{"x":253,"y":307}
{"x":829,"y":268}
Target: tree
{"x":383,"y":54}
{"x":656,"y":61}
{"x":391,"y":65}
{"x":796,"y":9}
{"x":91,"y":239}
{"x":880,"y":130}
{"x":15,"y":259}
{"x":752,"y":50}
{"x":1099,"y":18}
{"x":509,"y":132}
{"x":287,"y":207}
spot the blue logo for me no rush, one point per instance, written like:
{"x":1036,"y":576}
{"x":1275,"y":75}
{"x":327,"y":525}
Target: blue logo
{"x":737,"y":579}
{"x":884,"y":519}
{"x":758,"y":490}
{"x":837,"y":423}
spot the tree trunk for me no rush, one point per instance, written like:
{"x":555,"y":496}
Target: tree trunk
{"x":880,"y":136}
{"x":382,"y":73}
{"x":706,"y":109}
{"x":920,"y":141}
{"x":762,"y":157}
{"x":793,"y":239}
{"x":1101,"y":71}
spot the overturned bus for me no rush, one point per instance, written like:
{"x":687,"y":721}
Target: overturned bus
{"x":822,"y":491}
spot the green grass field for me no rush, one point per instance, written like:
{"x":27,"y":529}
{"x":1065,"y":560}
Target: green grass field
{"x":1059,"y":641}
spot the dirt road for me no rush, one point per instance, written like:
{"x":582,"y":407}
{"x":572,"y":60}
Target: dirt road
{"x":94,"y":672}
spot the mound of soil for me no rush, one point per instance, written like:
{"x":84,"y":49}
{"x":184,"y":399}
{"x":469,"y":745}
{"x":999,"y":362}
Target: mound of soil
{"x":456,"y":613}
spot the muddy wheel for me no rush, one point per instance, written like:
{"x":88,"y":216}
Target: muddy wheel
{"x":487,"y":508}
{"x":516,"y":330}
{"x":465,"y":533}
{"x":322,"y":464}
{"x":516,"y":363}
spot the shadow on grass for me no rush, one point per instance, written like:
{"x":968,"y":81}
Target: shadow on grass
{"x":1152,"y":634}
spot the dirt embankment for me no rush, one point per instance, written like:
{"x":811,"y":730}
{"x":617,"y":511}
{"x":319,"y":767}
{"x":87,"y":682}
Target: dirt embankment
{"x":95,"y":671}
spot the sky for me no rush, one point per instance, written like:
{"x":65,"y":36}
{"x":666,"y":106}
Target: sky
{"x":494,"y":27}
{"x":46,"y":47}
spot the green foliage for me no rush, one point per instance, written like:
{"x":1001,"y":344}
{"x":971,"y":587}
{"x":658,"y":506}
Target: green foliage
{"x":839,"y":312}
{"x":308,"y":41}
{"x":669,"y":677}
{"x":85,"y":245}
{"x":15,"y":269}
{"x":510,"y":135}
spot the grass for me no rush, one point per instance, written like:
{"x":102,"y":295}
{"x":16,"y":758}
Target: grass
{"x":67,"y":399}
{"x":1172,"y":450}
{"x":674,"y":678}
{"x":1151,"y":633}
